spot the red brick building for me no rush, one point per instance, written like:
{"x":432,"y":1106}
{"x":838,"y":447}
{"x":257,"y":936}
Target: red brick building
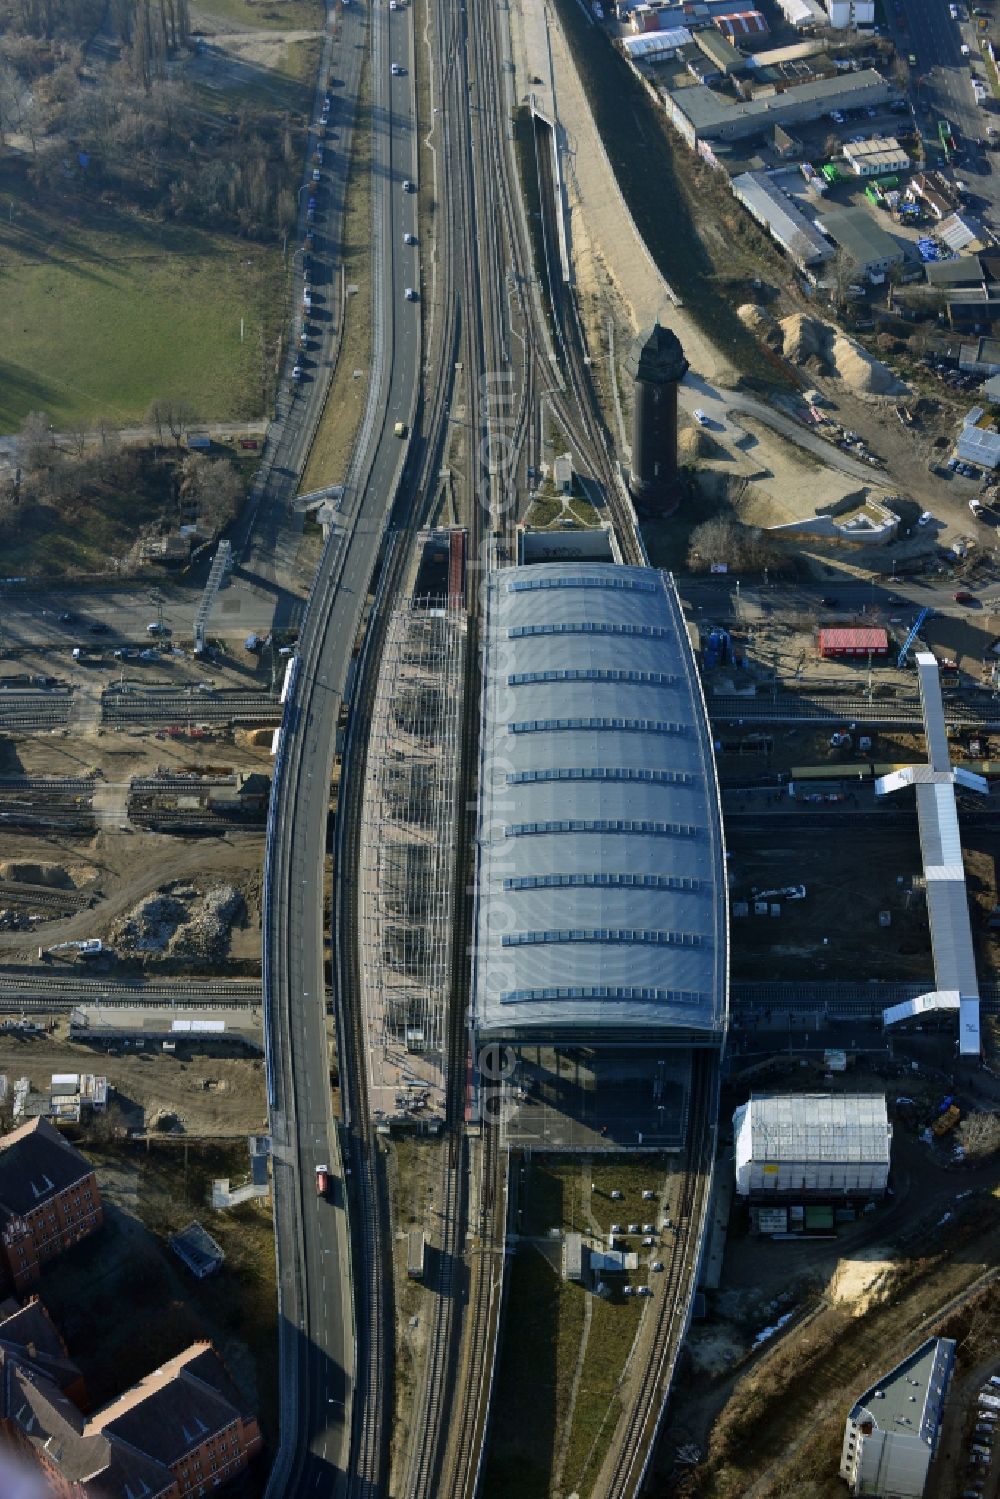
{"x":184,"y":1430}
{"x":854,"y":642}
{"x":49,"y":1200}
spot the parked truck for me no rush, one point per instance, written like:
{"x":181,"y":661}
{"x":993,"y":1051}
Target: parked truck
{"x":947,"y":1121}
{"x":322,"y":1180}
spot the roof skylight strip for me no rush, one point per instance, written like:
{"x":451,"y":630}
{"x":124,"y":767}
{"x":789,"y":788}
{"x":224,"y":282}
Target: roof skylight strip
{"x":620,"y":725}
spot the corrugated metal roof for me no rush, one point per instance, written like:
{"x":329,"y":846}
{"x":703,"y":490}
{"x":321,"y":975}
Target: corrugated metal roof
{"x":955,"y":975}
{"x":816,"y":1127}
{"x":742,"y":23}
{"x":778,"y":213}
{"x":656,"y":43}
{"x":601,"y":891}
{"x":932,"y":706}
{"x":976,"y":445}
{"x":958,"y":232}
{"x":854,"y":640}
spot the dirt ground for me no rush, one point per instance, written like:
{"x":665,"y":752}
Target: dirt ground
{"x":120,"y":756}
{"x":860,"y":1302}
{"x":130,"y":866}
{"x":211,"y":1097}
{"x":604,"y":242}
{"x":809,"y":932}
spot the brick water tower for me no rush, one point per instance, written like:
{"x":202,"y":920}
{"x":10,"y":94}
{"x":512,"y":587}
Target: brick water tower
{"x":657,"y":365}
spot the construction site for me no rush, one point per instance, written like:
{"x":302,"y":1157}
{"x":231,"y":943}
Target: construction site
{"x":408,"y":852}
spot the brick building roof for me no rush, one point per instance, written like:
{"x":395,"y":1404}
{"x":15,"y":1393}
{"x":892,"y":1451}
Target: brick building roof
{"x":177,"y":1407}
{"x":128,"y":1447}
{"x":36,"y":1163}
{"x":28,"y":1334}
{"x":854,"y":639}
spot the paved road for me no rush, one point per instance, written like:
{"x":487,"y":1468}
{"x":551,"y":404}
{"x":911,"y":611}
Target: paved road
{"x":942,"y":81}
{"x":317,"y":1335}
{"x":719,"y":404}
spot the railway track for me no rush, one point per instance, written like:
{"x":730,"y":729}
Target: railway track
{"x":644,"y":1390}
{"x":182,"y":707}
{"x":448,"y":1433}
{"x":89,"y":989}
{"x":35,"y":714}
{"x":958,"y":712}
{"x":44,"y":897}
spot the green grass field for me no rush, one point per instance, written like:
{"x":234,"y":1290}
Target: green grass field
{"x":99,"y":318}
{"x":102,"y":311}
{"x":266,"y":15}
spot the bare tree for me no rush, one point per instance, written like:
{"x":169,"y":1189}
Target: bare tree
{"x":724,"y":539}
{"x":980,"y":1135}
{"x":171,"y":415}
{"x":35,"y":445}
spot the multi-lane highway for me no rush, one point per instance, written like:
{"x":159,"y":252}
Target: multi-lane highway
{"x":317,"y":1339}
{"x":941,"y":85}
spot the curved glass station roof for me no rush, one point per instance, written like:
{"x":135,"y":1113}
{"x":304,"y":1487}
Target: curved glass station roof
{"x":600,"y":902}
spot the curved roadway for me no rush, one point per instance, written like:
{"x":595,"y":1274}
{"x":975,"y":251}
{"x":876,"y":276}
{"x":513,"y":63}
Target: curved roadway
{"x":316,"y":1317}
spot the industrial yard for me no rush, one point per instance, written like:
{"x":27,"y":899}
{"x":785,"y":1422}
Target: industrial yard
{"x":558,"y":951}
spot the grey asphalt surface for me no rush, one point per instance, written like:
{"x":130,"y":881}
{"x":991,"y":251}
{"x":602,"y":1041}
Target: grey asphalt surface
{"x":942,"y":81}
{"x":315,"y":1271}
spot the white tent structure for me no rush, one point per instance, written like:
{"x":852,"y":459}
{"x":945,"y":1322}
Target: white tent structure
{"x":812,"y":1145}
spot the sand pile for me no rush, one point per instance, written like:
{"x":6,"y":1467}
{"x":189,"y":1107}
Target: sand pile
{"x":761,"y":322}
{"x":694,"y":443}
{"x":804,"y":338}
{"x":863,"y":1280}
{"x":807,"y":340}
{"x":865,"y":374}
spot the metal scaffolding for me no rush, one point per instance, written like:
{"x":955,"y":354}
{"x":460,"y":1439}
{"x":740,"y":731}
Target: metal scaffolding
{"x":407,"y":897}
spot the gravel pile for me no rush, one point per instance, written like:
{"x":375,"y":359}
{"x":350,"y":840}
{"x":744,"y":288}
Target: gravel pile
{"x":180,"y":920}
{"x":205,"y":934}
{"x":151,"y":925}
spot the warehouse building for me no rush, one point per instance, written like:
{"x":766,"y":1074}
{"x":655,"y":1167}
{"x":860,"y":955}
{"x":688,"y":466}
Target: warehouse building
{"x":892,"y":1431}
{"x":787,"y":225}
{"x":812,"y":1145}
{"x":699,"y":113}
{"x":978,"y":441}
{"x":742,"y":25}
{"x":866,"y":244}
{"x":850,"y":13}
{"x":656,"y":46}
{"x":720,"y":53}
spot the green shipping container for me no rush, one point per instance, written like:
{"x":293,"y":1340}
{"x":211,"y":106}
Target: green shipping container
{"x":819,"y":1215}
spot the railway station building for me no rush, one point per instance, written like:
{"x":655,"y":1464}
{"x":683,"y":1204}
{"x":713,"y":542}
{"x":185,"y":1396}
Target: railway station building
{"x":601,"y":951}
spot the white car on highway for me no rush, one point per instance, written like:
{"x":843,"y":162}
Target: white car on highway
{"x":701,"y":417}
